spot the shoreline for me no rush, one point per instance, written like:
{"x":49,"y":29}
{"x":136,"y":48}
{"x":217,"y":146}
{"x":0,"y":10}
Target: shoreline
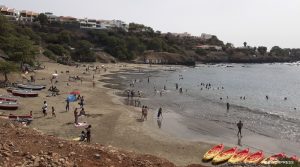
{"x":113,"y":123}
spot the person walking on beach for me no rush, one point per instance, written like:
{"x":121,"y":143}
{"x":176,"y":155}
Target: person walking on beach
{"x":159,"y":113}
{"x":81,"y":102}
{"x":44,"y":108}
{"x":240,"y":126}
{"x":227,"y":105}
{"x":148,"y":79}
{"x":76,"y":116}
{"x":53,"y":112}
{"x":88,"y":133}
{"x":67,"y":105}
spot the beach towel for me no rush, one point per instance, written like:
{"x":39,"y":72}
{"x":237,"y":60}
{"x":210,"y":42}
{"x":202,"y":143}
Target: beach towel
{"x":81,"y":124}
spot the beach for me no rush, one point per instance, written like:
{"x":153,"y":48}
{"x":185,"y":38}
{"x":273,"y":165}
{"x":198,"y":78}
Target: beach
{"x":113,"y":123}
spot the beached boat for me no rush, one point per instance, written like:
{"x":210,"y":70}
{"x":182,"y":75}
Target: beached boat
{"x":274,"y":159}
{"x":8,"y":105}
{"x":8,"y":98}
{"x":25,"y":93}
{"x":254,"y":158}
{"x":21,"y":118}
{"x":10,"y":89}
{"x":31,"y":87}
{"x":224,"y":156}
{"x":239,"y":156}
{"x":210,"y":154}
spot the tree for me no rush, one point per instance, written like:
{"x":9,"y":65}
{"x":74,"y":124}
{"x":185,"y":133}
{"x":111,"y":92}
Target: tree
{"x":42,"y":18}
{"x":83,"y":52}
{"x":245,"y":44}
{"x":262,"y":50}
{"x":6,"y":68}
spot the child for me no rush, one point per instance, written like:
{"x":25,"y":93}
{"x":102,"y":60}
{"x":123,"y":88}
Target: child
{"x":53,"y":112}
{"x":82,"y":136}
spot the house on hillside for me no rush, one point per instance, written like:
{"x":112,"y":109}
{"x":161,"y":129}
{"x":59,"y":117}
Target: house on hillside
{"x":209,"y":47}
{"x":10,"y":14}
{"x":206,"y":36}
{"x":28,"y":16}
{"x":67,"y":19}
{"x":51,"y":17}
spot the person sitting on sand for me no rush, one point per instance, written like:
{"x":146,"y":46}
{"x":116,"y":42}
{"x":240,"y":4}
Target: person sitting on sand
{"x":82,"y":112}
{"x":82,"y":136}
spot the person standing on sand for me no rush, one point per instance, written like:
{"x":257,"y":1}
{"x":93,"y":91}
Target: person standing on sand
{"x":94,"y":84}
{"x":67,"y":105}
{"x":145,"y":112}
{"x":159,"y":113}
{"x":53,"y":112}
{"x":240,"y":126}
{"x":148,"y":79}
{"x":81,"y":102}
{"x":88,"y":133}
{"x":44,"y":108}
{"x":228,"y":105}
{"x":76,"y":116}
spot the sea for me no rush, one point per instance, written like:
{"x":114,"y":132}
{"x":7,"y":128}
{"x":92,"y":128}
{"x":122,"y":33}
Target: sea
{"x":265,"y":97}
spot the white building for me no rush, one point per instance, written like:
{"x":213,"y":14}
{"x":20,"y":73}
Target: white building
{"x":185,"y":34}
{"x":28,"y":16}
{"x":51,"y":17}
{"x":10,"y":14}
{"x":206,"y":36}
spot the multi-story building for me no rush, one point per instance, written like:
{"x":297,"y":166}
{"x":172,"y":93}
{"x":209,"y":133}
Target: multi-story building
{"x":28,"y":16}
{"x":67,"y":19}
{"x":88,"y":23}
{"x":11,"y":14}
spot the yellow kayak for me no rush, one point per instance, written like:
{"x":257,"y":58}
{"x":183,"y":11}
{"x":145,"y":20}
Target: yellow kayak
{"x":210,"y":154}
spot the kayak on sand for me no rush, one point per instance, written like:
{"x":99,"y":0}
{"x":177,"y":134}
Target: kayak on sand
{"x":210,"y":154}
{"x":224,"y":156}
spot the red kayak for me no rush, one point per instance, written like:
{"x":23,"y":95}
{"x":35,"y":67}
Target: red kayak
{"x":274,"y":159}
{"x":224,"y":156}
{"x":254,"y":158}
{"x":239,"y":156}
{"x":210,"y":154}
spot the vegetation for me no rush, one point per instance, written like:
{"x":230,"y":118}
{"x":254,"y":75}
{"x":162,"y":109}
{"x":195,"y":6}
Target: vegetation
{"x":67,"y":42}
{"x":6,"y":68}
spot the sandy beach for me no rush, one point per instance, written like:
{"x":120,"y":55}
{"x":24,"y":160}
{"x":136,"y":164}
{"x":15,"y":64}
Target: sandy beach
{"x":113,"y":123}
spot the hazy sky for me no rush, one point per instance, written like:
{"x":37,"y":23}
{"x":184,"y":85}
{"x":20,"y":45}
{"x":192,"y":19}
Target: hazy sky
{"x":258,"y":22}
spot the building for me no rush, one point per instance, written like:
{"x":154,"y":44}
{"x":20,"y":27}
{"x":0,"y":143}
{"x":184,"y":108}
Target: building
{"x":67,"y":19}
{"x":206,"y":36}
{"x":182,"y":35}
{"x":28,"y":16}
{"x":51,"y":17}
{"x":88,"y":23}
{"x":209,"y":47}
{"x":10,"y":14}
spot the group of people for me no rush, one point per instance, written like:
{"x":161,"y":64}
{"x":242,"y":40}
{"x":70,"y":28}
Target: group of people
{"x":86,"y":136}
{"x":45,"y":110}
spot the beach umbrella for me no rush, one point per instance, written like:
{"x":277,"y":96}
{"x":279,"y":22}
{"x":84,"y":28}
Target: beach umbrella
{"x":76,"y":92}
{"x":71,"y":98}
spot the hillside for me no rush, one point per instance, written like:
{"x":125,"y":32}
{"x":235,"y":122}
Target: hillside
{"x":66,"y":43}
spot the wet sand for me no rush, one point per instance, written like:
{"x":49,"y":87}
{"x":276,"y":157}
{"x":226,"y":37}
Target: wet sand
{"x":113,"y":123}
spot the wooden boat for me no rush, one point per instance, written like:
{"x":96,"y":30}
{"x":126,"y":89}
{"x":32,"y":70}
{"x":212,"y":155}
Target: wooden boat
{"x":31,"y":87}
{"x":25,"y":93}
{"x":8,"y":98}
{"x":10,"y":89}
{"x":21,"y":118}
{"x":210,"y":154}
{"x":8,"y":105}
